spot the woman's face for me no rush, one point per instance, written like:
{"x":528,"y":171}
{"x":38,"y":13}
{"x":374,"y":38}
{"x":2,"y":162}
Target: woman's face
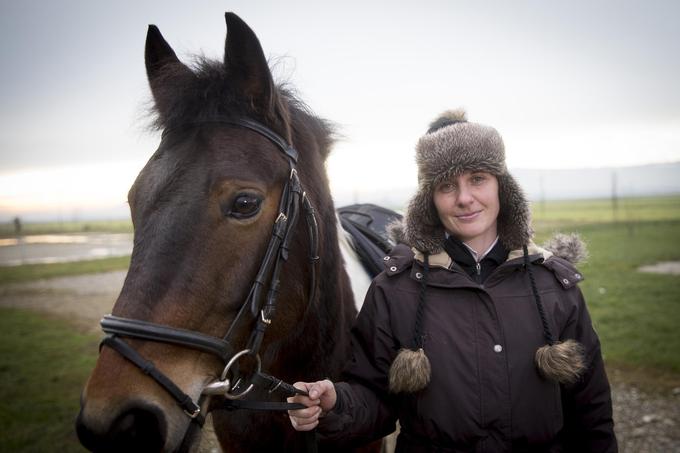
{"x":468,"y":208}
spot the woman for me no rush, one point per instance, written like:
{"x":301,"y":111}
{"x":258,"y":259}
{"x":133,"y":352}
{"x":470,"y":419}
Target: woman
{"x":473,"y":337}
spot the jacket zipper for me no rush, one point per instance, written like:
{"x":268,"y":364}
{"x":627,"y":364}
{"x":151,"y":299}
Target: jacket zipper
{"x":479,"y":272}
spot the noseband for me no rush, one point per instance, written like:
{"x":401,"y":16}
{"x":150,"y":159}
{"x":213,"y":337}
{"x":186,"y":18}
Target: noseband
{"x":257,"y":305}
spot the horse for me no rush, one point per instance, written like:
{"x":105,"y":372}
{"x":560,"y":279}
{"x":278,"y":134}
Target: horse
{"x":236,"y":260}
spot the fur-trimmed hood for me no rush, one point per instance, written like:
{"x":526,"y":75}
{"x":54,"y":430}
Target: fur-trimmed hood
{"x":569,"y":247}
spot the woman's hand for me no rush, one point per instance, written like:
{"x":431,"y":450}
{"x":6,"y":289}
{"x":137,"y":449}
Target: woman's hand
{"x":321,"y":399}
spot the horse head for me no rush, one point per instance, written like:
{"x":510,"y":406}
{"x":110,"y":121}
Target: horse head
{"x":205,"y":210}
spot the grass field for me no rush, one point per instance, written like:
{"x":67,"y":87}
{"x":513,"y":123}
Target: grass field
{"x":94,"y":226}
{"x":44,"y":362}
{"x":28,"y":272}
{"x":43,"y":366}
{"x":559,"y":214}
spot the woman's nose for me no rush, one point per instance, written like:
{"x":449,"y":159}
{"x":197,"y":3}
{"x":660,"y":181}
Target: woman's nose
{"x":464,"y":197}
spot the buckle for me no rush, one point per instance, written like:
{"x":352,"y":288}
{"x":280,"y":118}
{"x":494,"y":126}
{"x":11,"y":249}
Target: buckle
{"x":193,"y":414}
{"x":265,"y":320}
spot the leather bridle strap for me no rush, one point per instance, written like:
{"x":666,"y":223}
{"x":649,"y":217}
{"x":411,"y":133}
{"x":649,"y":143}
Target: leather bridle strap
{"x":192,"y":409}
{"x":126,"y":327}
{"x":268,"y":309}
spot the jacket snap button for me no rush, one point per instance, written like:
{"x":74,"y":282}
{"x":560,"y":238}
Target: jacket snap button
{"x":387,"y":258}
{"x":393,"y":268}
{"x":578,"y":276}
{"x":565,"y":281}
{"x":419,"y":275}
{"x":498,"y":348}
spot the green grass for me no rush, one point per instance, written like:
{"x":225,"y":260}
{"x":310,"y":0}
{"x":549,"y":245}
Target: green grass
{"x":94,"y":226}
{"x":558,"y":214}
{"x":28,"y":272}
{"x":43,"y":366}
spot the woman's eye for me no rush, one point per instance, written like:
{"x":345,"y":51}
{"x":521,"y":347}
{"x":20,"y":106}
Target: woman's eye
{"x":245,"y":206}
{"x":447,"y":187}
{"x":478,"y":179}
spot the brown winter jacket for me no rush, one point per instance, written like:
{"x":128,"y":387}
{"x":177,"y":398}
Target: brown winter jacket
{"x":485,"y":393}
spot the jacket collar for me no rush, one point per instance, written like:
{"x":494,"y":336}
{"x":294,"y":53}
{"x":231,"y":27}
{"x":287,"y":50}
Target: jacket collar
{"x":442,"y":259}
{"x":462,"y":253}
{"x":402,"y":258}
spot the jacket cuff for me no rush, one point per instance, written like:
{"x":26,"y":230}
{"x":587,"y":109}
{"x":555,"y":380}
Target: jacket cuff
{"x":333,"y":423}
{"x":339,"y":401}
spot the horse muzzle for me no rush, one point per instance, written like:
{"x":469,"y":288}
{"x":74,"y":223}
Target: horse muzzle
{"x":123,"y":410}
{"x":140,"y":427}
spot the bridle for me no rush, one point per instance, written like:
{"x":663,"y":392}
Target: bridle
{"x":257,"y":305}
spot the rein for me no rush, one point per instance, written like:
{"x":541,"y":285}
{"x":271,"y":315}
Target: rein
{"x":257,"y":306}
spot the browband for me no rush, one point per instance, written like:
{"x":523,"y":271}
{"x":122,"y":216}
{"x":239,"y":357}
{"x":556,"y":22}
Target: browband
{"x":275,"y":138}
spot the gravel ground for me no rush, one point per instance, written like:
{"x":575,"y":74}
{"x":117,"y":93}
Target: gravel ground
{"x":646,"y":422}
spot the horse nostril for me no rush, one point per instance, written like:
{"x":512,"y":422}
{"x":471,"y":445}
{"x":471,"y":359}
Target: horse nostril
{"x":137,"y":430}
{"x":86,"y":435}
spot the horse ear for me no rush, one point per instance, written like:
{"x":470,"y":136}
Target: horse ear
{"x":158,"y":56}
{"x":246,"y":63}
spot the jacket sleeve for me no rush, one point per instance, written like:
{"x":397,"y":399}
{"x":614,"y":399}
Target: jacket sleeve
{"x":365,"y":410}
{"x":587,"y":404}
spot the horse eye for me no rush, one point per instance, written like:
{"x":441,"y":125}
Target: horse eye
{"x":245,"y":206}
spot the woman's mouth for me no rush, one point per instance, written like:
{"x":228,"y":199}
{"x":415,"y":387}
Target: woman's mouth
{"x":468,"y":216}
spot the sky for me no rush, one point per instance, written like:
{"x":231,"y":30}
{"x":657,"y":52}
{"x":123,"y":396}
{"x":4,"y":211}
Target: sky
{"x":567,"y":84}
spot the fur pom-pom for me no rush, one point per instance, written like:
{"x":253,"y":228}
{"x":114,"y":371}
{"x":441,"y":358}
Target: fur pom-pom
{"x":410,"y":371}
{"x":568,"y":246}
{"x":561,"y":362}
{"x":447,"y":118}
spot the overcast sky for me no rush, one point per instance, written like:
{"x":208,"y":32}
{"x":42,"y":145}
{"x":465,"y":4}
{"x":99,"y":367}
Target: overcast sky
{"x":568,"y":84}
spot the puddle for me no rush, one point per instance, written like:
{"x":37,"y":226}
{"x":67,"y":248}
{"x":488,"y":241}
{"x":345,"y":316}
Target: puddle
{"x":61,"y":248}
{"x":666,"y":267}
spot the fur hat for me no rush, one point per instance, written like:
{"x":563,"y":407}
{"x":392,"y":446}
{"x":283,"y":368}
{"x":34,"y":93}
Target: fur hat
{"x":452,"y":146}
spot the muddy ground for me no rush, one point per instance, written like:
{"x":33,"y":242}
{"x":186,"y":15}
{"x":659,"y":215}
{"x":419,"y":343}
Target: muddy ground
{"x":646,"y":421}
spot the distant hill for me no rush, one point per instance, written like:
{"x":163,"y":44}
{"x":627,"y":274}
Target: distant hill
{"x":638,"y":181}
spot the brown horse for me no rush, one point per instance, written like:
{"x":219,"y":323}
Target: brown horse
{"x":206,"y":210}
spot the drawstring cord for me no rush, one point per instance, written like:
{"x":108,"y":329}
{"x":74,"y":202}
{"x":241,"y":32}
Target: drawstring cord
{"x":418,"y":337}
{"x":534,"y":289}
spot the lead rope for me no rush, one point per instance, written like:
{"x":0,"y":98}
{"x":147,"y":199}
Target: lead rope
{"x":276,"y":385}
